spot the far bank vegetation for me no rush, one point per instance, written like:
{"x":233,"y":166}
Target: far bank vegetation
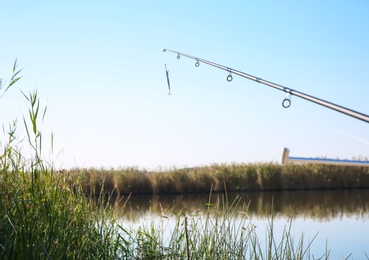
{"x":220,"y":178}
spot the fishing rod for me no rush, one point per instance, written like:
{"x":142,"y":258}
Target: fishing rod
{"x":289,"y":92}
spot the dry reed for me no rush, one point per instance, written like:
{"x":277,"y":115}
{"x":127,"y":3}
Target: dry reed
{"x":222,"y":177}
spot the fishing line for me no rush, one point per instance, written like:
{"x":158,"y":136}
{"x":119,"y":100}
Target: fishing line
{"x":311,"y":117}
{"x":338,"y":130}
{"x":246,"y":87}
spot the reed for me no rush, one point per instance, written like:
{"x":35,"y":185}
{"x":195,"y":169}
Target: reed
{"x":225,"y":177}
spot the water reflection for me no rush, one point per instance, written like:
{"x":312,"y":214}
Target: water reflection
{"x":318,"y":205}
{"x":334,"y":219}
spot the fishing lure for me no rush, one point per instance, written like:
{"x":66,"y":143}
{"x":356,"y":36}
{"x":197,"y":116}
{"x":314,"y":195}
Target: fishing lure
{"x":167,"y":75}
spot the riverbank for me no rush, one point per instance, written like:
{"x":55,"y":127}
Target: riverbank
{"x":220,"y":178}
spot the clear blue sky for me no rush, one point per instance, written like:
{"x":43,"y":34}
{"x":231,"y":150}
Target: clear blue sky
{"x":99,"y":67}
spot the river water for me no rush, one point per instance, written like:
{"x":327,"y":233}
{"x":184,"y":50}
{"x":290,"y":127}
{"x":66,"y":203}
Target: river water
{"x":338,"y":218}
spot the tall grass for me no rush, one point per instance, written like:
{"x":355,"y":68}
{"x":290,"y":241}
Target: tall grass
{"x":42,"y":215}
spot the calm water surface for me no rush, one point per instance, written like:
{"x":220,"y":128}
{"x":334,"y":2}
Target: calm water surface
{"x":340,"y":218}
